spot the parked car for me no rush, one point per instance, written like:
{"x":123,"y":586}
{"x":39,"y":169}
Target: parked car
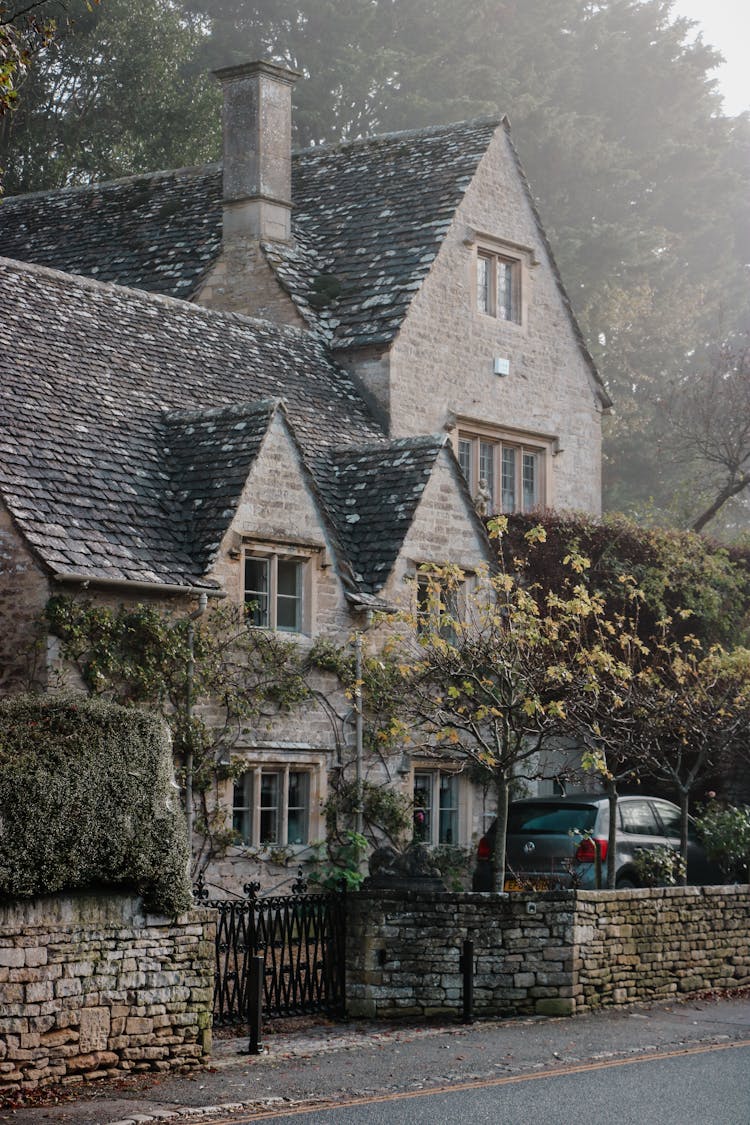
{"x":551,"y":842}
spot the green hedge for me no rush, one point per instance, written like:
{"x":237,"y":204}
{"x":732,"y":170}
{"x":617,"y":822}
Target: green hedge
{"x":87,"y":800}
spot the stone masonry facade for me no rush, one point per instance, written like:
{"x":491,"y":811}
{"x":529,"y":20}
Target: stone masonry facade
{"x":556,"y":953}
{"x":90,"y":987}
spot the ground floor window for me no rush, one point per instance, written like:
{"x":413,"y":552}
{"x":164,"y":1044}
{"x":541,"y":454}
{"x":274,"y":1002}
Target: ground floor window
{"x":436,"y":801}
{"x":271,"y":805}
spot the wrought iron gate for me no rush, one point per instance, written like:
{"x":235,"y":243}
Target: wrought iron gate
{"x":302,"y":939}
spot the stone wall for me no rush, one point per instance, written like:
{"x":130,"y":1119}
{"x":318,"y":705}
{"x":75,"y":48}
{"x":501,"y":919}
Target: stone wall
{"x":90,"y":987}
{"x":549,"y":954}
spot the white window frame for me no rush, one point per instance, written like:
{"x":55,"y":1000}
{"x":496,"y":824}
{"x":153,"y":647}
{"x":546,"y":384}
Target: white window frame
{"x":433,"y":832}
{"x":248,"y":807}
{"x":479,"y":447}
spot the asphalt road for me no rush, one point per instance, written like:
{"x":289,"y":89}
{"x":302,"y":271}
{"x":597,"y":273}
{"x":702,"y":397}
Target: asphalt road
{"x":704,"y":1086}
{"x":662,"y":1063}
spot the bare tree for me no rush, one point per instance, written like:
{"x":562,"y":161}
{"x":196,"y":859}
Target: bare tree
{"x":709,"y":428}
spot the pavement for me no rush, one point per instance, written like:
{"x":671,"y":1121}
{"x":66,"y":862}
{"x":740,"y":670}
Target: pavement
{"x":309,"y":1063}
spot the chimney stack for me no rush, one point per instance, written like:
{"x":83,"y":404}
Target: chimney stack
{"x":257,"y":151}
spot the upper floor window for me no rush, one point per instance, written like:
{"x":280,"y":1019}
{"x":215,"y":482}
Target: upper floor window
{"x":277,"y":584}
{"x":271,"y":805}
{"x":499,"y":286}
{"x":510,"y":473}
{"x":438,"y":604}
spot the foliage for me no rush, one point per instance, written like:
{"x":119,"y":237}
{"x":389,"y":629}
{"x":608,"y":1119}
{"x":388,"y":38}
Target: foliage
{"x":85,"y":113}
{"x":342,"y":867}
{"x":661,"y":866}
{"x":701,"y":588}
{"x":88,"y":800}
{"x":455,"y":865}
{"x":141,"y":655}
{"x":501,"y":683}
{"x":725,"y":832}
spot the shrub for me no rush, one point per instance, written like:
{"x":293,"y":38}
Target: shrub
{"x":87,"y":800}
{"x":725,"y":832}
{"x":661,"y":866}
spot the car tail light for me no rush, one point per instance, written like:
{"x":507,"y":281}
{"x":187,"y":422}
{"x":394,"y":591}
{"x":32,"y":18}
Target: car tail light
{"x":586,"y":851}
{"x":484,"y":851}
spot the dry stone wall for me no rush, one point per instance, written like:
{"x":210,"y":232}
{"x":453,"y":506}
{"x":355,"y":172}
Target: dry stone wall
{"x":549,"y":954}
{"x":91,"y":987}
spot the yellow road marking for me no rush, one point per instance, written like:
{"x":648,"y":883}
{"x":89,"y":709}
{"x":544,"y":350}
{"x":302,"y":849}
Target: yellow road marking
{"x":477,"y":1084}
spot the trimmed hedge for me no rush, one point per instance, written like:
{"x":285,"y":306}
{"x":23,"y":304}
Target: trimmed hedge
{"x":87,"y":800}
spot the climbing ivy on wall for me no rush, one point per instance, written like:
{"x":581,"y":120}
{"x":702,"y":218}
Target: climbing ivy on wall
{"x":87,"y":800}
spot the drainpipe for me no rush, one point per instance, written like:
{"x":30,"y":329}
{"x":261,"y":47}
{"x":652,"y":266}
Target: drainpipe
{"x":359,"y":720}
{"x":202,"y":604}
{"x":359,"y":728}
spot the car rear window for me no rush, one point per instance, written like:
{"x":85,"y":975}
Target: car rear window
{"x":557,"y":819}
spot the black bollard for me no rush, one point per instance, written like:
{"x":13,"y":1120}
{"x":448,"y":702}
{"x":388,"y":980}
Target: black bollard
{"x":467,"y":968}
{"x":255,"y":1002}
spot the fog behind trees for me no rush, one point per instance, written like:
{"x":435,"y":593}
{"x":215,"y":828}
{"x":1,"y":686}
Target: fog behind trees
{"x":642,"y":182}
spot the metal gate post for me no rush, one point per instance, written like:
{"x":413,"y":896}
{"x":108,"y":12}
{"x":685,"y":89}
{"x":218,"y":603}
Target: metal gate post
{"x":255,"y":1002}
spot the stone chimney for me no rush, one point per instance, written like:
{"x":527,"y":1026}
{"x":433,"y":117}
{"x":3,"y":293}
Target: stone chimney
{"x":257,"y":151}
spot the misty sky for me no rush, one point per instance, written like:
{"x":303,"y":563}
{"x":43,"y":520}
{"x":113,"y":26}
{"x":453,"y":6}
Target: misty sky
{"x":725,"y":25}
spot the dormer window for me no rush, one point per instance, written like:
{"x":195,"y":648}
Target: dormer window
{"x":277,"y":585}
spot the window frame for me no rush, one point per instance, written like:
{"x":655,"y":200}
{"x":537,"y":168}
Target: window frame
{"x":503,"y":303}
{"x":275,"y":555}
{"x":252,"y":808}
{"x":426,"y":614}
{"x":433,"y":830}
{"x":477,"y":445}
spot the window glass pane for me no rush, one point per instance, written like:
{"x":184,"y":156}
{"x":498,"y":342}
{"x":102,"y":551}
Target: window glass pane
{"x":242,"y":820}
{"x":670,"y":819}
{"x":509,"y":479}
{"x":423,"y":807}
{"x":637,"y":818}
{"x":505,"y":290}
{"x":256,"y":590}
{"x":484,"y":297}
{"x":289,"y":595}
{"x":487,"y":468}
{"x":269,"y":808}
{"x":448,"y":822}
{"x":297,"y":808}
{"x":464,"y":459}
{"x":530,"y":481}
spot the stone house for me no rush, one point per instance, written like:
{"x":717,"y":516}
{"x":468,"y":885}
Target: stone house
{"x":282,"y":381}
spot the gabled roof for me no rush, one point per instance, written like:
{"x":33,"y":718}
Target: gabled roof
{"x":208,"y":454}
{"x":375,"y":493}
{"x":93,"y":459}
{"x":368,"y":222}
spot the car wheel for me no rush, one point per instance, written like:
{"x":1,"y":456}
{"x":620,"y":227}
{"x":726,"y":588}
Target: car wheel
{"x":626,"y":883}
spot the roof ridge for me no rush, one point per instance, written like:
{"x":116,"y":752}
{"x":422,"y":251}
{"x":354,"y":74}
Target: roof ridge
{"x":146,"y":296}
{"x":398,"y":134}
{"x":187,"y":171}
{"x":230,"y":410}
{"x":417,"y":440}
{"x":184,"y":172}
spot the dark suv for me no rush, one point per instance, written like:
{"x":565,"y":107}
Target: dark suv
{"x":551,"y":842}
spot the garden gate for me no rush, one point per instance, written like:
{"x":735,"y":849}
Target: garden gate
{"x":302,"y":939}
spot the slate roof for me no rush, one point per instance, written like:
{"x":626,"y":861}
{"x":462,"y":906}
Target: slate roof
{"x":92,"y":458}
{"x":129,"y":424}
{"x":375,"y":494}
{"x":368,"y":221}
